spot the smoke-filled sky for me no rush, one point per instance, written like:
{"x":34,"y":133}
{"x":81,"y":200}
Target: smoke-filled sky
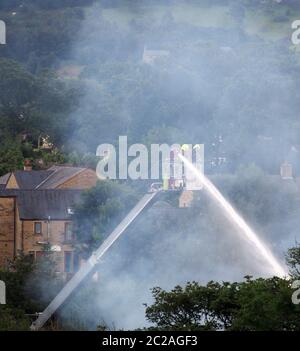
{"x":230,"y":80}
{"x":219,"y":79}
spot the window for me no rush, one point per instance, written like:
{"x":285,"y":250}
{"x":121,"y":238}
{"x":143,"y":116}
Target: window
{"x":68,"y":232}
{"x":68,"y":261}
{"x":38,"y":228}
{"x":76,"y":262}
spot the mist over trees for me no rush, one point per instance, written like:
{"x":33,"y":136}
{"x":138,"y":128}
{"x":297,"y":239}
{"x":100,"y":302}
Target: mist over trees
{"x":75,"y":71}
{"x":221,"y":84}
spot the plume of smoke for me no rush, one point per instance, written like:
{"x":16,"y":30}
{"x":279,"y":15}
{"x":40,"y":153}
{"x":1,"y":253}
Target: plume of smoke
{"x":218,"y":80}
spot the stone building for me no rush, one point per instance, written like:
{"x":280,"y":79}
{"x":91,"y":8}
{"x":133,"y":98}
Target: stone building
{"x":36,"y":209}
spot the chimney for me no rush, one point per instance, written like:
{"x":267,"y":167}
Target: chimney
{"x":27,"y":165}
{"x":286,"y":171}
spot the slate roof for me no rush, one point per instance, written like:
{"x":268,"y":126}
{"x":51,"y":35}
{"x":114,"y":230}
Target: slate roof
{"x":59,"y":175}
{"x":45,"y":179}
{"x":3,"y":180}
{"x":40,"y":204}
{"x":30,"y":179}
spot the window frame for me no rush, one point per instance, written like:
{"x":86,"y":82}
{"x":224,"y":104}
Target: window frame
{"x":66,"y":237}
{"x":41,"y":228}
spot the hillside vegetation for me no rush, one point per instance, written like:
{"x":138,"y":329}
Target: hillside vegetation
{"x":231,"y":71}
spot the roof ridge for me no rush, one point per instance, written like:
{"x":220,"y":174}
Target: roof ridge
{"x":65,"y":166}
{"x":33,"y":170}
{"x":41,"y":183}
{"x":63,"y":180}
{"x":80,"y":170}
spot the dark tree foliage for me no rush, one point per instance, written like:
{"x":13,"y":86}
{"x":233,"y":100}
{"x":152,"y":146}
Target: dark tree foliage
{"x":41,"y":36}
{"x":31,"y":105}
{"x":252,"y":305}
{"x":99,"y":211}
{"x":11,"y":156}
{"x":30,"y":286}
{"x":7,"y":5}
{"x":13,"y":314}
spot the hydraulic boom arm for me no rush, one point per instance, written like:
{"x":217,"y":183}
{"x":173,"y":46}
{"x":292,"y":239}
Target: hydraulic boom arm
{"x":89,"y":265}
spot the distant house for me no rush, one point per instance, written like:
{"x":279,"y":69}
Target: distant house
{"x":40,"y":142}
{"x":56,"y":177}
{"x":36,"y":209}
{"x":150,"y":56}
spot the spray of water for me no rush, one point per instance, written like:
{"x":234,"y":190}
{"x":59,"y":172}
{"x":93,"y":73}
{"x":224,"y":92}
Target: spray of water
{"x":236,"y":218}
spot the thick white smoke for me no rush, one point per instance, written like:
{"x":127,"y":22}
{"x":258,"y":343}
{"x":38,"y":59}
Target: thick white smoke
{"x":217,"y":81}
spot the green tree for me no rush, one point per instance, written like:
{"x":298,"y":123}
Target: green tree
{"x":252,"y":305}
{"x":43,"y":284}
{"x":13,"y":319}
{"x":13,"y":314}
{"x":11,"y":156}
{"x":30,"y":286}
{"x":99,"y":211}
{"x":260,"y":304}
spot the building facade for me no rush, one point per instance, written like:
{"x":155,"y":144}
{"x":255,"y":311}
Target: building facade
{"x":36,"y":212}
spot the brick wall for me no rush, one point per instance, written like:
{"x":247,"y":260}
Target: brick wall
{"x":7,"y":229}
{"x":56,"y":230}
{"x":84,"y":180}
